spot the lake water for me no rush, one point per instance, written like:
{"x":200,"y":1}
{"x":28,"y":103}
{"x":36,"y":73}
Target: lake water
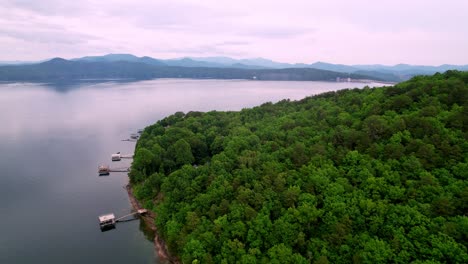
{"x":54,"y":136}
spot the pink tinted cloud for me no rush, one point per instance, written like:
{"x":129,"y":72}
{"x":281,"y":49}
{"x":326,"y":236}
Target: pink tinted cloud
{"x":352,"y":32}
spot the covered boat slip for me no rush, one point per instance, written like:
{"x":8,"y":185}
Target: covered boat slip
{"x":103,"y":170}
{"x":106,"y":170}
{"x":118,"y":156}
{"x":134,"y":136}
{"x":108,"y":221}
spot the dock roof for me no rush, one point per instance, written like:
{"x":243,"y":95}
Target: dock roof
{"x":106,"y":217}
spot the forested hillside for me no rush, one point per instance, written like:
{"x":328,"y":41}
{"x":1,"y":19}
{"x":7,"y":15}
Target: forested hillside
{"x":373,"y":175}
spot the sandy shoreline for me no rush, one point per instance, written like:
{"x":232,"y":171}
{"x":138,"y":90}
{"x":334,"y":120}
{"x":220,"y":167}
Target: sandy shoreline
{"x":159,"y":244}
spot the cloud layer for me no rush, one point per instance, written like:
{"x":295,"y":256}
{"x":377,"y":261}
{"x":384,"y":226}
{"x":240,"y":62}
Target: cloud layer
{"x":389,"y":32}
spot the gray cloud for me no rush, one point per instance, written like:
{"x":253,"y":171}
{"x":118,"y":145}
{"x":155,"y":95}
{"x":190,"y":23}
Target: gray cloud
{"x":173,"y":15}
{"x":279,"y":31}
{"x":360,"y":31}
{"x":39,"y":32}
{"x":50,"y":7}
{"x":391,"y":16}
{"x":232,"y":43}
{"x":201,"y":50}
{"x":47,"y":36}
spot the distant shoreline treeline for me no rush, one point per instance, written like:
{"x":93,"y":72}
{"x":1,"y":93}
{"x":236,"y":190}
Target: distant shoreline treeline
{"x":390,"y":73}
{"x":64,"y":70}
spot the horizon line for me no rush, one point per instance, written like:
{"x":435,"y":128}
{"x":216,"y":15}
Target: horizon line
{"x":234,"y":58}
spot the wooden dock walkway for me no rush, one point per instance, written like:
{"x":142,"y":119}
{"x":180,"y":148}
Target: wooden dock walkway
{"x":119,"y":169}
{"x":139,"y":212}
{"x":121,"y":219}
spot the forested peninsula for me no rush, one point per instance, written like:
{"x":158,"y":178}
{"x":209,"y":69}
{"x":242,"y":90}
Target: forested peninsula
{"x":373,"y":175}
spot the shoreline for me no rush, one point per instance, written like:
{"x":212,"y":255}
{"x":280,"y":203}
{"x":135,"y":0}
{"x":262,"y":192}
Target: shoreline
{"x":159,"y":244}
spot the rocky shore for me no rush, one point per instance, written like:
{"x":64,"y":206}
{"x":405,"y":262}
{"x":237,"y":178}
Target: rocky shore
{"x":159,"y":244}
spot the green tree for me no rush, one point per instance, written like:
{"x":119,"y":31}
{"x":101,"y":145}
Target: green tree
{"x":181,"y":153}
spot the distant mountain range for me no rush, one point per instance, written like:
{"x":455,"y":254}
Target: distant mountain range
{"x":143,"y":69}
{"x":130,"y":66}
{"x":211,"y":62}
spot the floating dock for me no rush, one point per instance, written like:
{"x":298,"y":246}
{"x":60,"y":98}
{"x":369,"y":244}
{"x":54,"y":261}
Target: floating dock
{"x":106,"y":170}
{"x":129,"y":140}
{"x":117,"y":156}
{"x":119,"y":169}
{"x":108,"y":221}
{"x":103,"y":170}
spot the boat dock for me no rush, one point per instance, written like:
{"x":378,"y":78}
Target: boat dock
{"x":106,"y":170}
{"x":119,"y":170}
{"x":108,"y":221}
{"x":117,"y":156}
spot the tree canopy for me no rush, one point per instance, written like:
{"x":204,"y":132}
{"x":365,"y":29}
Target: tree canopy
{"x":373,"y":175}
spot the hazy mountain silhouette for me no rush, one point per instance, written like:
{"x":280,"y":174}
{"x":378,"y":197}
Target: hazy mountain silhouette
{"x":395,"y":73}
{"x":59,"y":69}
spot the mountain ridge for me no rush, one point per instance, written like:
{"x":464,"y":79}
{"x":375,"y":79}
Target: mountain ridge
{"x":62,"y":69}
{"x":393,"y":73}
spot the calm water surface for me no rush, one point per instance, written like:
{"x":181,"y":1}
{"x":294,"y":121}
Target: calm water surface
{"x":54,"y":136}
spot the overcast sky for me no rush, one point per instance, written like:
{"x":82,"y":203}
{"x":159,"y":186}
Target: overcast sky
{"x":428,"y":32}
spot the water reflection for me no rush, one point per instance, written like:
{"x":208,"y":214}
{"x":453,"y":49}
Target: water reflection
{"x":103,"y":106}
{"x":149,"y":233}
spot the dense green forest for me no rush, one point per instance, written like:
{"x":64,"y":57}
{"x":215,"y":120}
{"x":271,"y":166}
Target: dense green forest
{"x":373,"y":175}
{"x":60,"y":70}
